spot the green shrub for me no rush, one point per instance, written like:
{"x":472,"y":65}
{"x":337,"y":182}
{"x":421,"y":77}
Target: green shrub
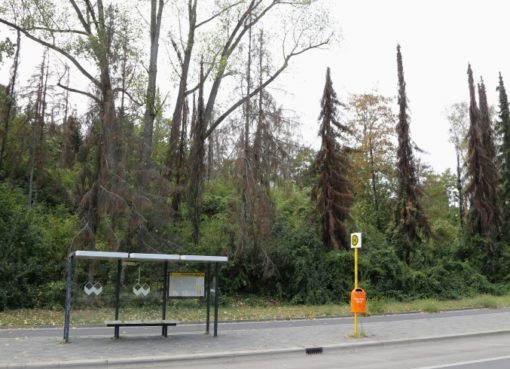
{"x":303,"y":273}
{"x":20,"y":268}
{"x":387,"y":275}
{"x":451,"y":279}
{"x":33,"y":253}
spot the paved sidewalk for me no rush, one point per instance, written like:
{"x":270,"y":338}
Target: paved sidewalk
{"x":50,"y":352}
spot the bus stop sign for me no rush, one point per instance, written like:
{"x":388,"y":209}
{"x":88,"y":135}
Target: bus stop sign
{"x":355,"y":240}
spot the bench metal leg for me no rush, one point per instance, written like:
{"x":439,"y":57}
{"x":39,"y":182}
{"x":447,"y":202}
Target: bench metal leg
{"x":164,"y":328}
{"x":117,"y":296}
{"x":208,"y":297}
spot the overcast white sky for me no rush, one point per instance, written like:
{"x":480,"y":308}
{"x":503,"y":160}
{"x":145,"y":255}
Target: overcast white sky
{"x":438,"y":39}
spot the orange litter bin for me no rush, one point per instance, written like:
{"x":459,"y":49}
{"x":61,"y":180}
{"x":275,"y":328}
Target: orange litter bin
{"x":358,"y":301}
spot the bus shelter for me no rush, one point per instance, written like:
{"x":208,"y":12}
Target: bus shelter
{"x":119,"y":258}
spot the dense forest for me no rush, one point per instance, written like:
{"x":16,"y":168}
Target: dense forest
{"x":96,"y":154}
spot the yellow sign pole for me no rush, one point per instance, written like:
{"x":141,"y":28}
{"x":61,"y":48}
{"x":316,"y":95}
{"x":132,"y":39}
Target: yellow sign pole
{"x":356,"y":268}
{"x":355,"y":244}
{"x":355,"y":286}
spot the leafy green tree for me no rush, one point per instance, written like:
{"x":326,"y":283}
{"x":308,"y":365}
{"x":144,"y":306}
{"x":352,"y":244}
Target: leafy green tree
{"x":333,"y":190}
{"x":440,"y":207}
{"x":410,"y":220}
{"x":458,"y":117}
{"x":372,"y":125}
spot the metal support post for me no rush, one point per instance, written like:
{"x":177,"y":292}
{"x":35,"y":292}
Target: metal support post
{"x":117,"y":296}
{"x":69,"y":287}
{"x":216,"y":296}
{"x":208,"y":297}
{"x":164,"y":331}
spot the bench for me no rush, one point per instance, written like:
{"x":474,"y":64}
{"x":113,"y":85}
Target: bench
{"x":140,"y":323}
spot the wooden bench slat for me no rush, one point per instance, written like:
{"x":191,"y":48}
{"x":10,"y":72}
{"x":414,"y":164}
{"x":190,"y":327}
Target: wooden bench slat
{"x":113,"y":323}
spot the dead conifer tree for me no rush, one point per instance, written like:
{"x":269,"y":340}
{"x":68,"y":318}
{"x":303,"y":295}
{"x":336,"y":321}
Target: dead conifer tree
{"x":491,"y":173}
{"x":483,"y":218}
{"x":503,"y":131}
{"x":410,"y":220}
{"x":332,"y":191}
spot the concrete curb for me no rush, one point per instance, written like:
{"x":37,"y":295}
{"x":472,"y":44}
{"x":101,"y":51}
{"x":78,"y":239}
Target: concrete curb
{"x":135,"y":362}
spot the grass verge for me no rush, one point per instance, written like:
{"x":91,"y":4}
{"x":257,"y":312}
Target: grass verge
{"x":238,"y":309}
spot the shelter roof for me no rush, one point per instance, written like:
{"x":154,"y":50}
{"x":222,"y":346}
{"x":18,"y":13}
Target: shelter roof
{"x":135,"y":256}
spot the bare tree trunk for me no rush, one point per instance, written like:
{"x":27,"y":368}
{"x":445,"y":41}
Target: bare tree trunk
{"x":11,"y":98}
{"x":150,"y":107}
{"x":37,"y":131}
{"x":210,"y":156}
{"x":66,"y":109}
{"x":124,"y":77}
{"x":179,"y":170}
{"x":92,"y":209}
{"x":257,"y":142}
{"x":174,"y":147}
{"x":373,"y":174}
{"x":459,"y":187}
{"x":68,"y":144}
{"x":42,"y":118}
{"x":243,"y":231}
{"x":32,"y":166}
{"x":106,"y":172}
{"x":197,"y":164}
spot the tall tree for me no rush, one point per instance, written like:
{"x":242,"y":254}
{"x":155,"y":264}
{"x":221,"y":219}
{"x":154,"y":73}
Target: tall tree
{"x":491,"y":174}
{"x":37,"y":152}
{"x":410,"y":220}
{"x":246,"y":164}
{"x":333,"y":189}
{"x":481,"y":189}
{"x":10,"y":100}
{"x":503,"y":133}
{"x":257,"y":142}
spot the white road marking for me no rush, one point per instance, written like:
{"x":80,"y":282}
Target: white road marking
{"x":453,"y":365}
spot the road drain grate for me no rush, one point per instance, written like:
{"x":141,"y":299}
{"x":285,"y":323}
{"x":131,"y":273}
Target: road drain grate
{"x":313,"y":350}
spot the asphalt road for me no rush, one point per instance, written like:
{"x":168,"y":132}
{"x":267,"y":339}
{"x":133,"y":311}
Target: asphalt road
{"x":190,"y":328}
{"x":483,"y":352}
{"x":490,"y":363}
